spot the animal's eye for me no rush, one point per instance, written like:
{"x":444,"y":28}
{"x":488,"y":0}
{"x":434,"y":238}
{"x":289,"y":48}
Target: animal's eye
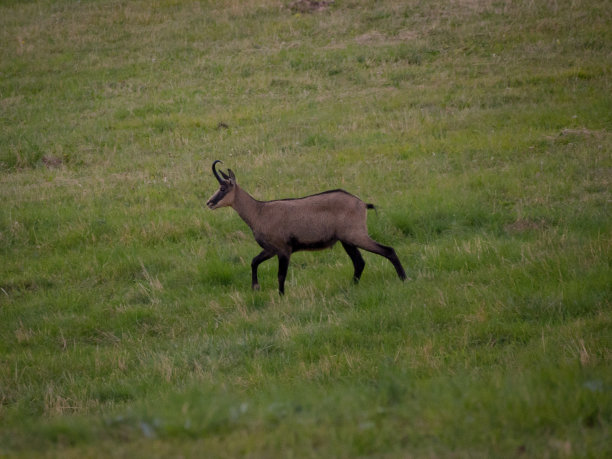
{"x":222,"y":188}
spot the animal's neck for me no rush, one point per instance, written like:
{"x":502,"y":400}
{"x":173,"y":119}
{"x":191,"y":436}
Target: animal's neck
{"x":246,"y":206}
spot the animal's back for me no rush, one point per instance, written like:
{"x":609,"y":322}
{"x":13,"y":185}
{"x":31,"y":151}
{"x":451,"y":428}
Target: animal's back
{"x":317,"y":221}
{"x":329,"y":204}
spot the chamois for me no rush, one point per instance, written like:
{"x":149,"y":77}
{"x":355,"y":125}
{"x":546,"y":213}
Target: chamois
{"x":314,"y":222}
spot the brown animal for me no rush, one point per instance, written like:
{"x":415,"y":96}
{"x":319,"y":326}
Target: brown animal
{"x":311,"y":223}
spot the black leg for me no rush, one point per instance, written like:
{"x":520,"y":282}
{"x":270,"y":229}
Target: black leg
{"x":263,"y":256}
{"x":283,"y":265}
{"x":389,"y":253}
{"x":371,"y":245}
{"x":356,"y":258}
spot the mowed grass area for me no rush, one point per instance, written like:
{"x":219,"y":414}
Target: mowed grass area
{"x":481,"y":130}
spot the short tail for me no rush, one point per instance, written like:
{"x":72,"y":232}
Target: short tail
{"x":372,"y":206}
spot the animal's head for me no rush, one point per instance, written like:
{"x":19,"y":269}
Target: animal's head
{"x":224,"y":196}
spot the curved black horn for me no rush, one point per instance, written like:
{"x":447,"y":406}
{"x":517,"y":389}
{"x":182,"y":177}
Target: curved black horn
{"x":215,"y":170}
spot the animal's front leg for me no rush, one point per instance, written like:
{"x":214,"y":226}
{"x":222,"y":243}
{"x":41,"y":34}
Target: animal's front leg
{"x":283,"y":265}
{"x":263,"y":256}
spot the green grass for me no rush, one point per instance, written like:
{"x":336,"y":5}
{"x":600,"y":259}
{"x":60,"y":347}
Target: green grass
{"x":480,"y":129}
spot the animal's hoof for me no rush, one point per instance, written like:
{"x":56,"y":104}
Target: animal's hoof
{"x":255,"y":286}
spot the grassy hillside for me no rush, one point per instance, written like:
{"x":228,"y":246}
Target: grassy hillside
{"x":481,"y":129}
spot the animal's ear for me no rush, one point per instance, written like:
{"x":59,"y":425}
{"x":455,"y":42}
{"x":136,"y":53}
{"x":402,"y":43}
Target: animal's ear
{"x":232,"y":177}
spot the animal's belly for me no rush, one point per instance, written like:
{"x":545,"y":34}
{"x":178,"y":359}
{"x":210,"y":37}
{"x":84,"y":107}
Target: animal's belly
{"x":300,"y":244}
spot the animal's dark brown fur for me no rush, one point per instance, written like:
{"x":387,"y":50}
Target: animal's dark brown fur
{"x":314,"y":222}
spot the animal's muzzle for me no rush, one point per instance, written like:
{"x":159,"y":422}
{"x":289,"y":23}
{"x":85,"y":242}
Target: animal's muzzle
{"x":214,"y":200}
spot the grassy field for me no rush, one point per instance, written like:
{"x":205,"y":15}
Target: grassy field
{"x":481,"y":129}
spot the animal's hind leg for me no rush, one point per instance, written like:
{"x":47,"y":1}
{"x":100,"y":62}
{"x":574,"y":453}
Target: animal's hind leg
{"x":369,"y":244}
{"x":356,"y":258}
